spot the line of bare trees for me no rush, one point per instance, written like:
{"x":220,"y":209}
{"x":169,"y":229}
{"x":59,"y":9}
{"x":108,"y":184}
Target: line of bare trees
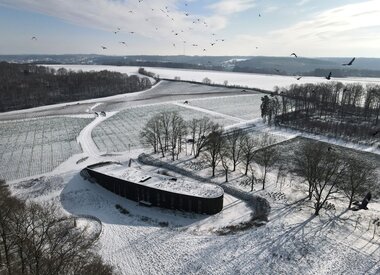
{"x":168,"y":133}
{"x":328,"y":172}
{"x":340,"y":110}
{"x":25,"y":85}
{"x":36,"y":239}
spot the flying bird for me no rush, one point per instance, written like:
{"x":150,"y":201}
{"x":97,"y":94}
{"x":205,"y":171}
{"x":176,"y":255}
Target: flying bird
{"x":294,"y":55}
{"x":34,"y":38}
{"x":277,"y":70}
{"x":349,"y":63}
{"x":299,"y":77}
{"x":329,"y":76}
{"x":212,"y":44}
{"x":104,"y":48}
{"x":122,"y":42}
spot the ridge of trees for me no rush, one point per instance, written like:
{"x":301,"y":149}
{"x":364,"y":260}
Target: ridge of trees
{"x":27,"y":86}
{"x":350,"y":111}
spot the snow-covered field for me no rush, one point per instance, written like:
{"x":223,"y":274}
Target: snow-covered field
{"x":160,"y":241}
{"x":260,"y":81}
{"x":245,"y":106}
{"x":37,"y":146}
{"x":157,"y":241}
{"x":121,"y":132}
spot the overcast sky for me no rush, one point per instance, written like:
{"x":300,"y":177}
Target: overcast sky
{"x":310,"y":28}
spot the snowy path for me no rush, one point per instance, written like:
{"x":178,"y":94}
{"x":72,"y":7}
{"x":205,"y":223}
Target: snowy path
{"x":210,"y":112}
{"x":85,"y":138}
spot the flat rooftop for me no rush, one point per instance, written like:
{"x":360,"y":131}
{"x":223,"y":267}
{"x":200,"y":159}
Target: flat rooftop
{"x":139,"y":176}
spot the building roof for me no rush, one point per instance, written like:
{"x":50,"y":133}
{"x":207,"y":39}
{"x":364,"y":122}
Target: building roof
{"x":153,"y":180}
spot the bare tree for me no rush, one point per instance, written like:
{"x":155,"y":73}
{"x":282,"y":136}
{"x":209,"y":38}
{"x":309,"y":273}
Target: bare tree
{"x":323,"y":169}
{"x":252,"y":177}
{"x":330,"y":174}
{"x":359,"y":177}
{"x":267,"y":156}
{"x":178,"y":130}
{"x":199,"y":130}
{"x":249,"y":146}
{"x":225,"y":156}
{"x":307,"y":161}
{"x":36,"y":239}
{"x":165,"y":132}
{"x":206,"y":81}
{"x":149,"y":135}
{"x":234,"y":141}
{"x":213,"y":147}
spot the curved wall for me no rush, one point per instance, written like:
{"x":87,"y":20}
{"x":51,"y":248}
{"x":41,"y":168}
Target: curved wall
{"x":157,"y":197}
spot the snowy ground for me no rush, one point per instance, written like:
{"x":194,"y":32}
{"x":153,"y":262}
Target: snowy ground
{"x":260,"y":81}
{"x":246,"y":107}
{"x":159,"y":241}
{"x":36,"y":146}
{"x":121,"y":132}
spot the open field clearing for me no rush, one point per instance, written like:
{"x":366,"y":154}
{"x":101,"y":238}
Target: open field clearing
{"x":121,"y":132}
{"x":261,"y":81}
{"x":37,"y":146}
{"x":245,"y":107}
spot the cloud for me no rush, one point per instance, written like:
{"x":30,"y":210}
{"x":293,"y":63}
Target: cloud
{"x":342,"y":31}
{"x":338,"y":21}
{"x":227,"y":7}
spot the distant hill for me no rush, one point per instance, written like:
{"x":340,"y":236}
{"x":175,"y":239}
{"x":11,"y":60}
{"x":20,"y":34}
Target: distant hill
{"x":362,"y":67}
{"x":286,"y":65}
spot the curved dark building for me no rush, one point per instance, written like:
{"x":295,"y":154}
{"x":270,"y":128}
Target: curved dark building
{"x":157,"y":190}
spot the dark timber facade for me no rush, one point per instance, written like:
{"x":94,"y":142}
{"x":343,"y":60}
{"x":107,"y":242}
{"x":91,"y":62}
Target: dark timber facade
{"x":157,"y":197}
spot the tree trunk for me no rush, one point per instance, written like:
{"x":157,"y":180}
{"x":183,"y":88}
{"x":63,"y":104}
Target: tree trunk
{"x":265,"y":176}
{"x":310,"y":191}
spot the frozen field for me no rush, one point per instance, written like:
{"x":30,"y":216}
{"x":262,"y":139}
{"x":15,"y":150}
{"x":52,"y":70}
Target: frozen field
{"x":121,"y":132}
{"x":245,"y":106}
{"x":260,"y":81}
{"x":157,"y":241}
{"x":37,"y":146}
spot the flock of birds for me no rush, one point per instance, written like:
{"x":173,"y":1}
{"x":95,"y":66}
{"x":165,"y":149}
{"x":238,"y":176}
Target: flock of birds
{"x":328,"y":77}
{"x":176,"y":33}
{"x":165,"y":10}
{"x":213,"y":42}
